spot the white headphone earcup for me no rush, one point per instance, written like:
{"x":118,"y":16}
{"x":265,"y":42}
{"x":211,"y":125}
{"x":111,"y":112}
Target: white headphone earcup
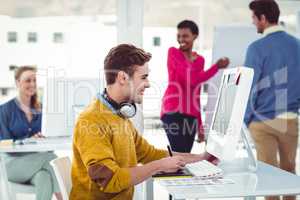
{"x":127,"y":110}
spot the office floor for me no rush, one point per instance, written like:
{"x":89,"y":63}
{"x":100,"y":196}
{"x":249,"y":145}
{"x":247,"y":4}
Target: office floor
{"x":157,"y":138}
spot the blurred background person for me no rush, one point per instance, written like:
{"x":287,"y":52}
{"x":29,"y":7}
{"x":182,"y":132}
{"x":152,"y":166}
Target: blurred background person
{"x":273,"y":108}
{"x":20,"y":118}
{"x":180,"y":111}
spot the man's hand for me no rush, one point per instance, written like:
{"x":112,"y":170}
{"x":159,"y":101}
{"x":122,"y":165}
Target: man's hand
{"x":168,"y":164}
{"x":191,"y":158}
{"x":171,"y":164}
{"x":38,"y":135}
{"x":223,"y":62}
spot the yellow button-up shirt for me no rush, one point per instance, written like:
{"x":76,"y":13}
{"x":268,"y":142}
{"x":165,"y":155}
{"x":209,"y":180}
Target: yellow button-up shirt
{"x":102,"y":137}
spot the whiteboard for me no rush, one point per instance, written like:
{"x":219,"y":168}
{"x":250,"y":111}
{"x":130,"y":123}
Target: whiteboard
{"x":230,"y":41}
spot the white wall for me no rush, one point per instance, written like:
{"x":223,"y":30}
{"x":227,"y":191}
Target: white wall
{"x":158,"y":67}
{"x":86,"y":41}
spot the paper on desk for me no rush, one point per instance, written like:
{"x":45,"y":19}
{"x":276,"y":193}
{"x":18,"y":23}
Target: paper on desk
{"x":195,"y":181}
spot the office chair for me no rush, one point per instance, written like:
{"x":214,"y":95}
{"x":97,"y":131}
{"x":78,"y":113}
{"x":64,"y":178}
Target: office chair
{"x":62,"y":170}
{"x":18,"y":188}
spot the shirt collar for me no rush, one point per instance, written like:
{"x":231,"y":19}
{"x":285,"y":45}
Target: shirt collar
{"x":272,"y":29}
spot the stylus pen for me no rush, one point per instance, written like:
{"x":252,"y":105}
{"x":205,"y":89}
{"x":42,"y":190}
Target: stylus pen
{"x":170,"y":151}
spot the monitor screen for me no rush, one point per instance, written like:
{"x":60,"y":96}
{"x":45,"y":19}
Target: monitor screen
{"x":229,"y":112}
{"x":225,"y":104}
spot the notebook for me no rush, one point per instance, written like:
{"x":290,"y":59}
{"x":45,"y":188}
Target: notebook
{"x":183,"y":173}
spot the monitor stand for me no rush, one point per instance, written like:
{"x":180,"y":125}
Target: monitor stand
{"x":245,"y":164}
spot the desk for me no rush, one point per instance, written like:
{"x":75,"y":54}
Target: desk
{"x":266,"y":181}
{"x":51,"y":145}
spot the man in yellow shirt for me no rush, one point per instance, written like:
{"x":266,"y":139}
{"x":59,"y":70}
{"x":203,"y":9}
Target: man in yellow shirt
{"x":106,"y":146}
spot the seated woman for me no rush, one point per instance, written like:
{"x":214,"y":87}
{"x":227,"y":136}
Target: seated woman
{"x":21,"y":118}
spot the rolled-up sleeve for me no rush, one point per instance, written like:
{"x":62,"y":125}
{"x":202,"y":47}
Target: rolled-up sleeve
{"x":93,"y":143}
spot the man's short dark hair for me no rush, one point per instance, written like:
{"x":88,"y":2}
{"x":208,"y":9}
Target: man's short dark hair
{"x":268,"y":8}
{"x":190,"y":25}
{"x":124,"y":57}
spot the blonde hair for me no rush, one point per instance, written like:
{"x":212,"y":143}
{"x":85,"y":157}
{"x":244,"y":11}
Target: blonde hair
{"x":34,"y":102}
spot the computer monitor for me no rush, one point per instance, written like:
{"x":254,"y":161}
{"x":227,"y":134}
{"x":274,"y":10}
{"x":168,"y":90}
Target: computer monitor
{"x":229,"y":112}
{"x":63,"y":100}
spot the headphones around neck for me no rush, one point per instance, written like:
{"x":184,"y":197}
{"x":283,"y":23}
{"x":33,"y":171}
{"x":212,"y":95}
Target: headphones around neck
{"x":125,"y":109}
